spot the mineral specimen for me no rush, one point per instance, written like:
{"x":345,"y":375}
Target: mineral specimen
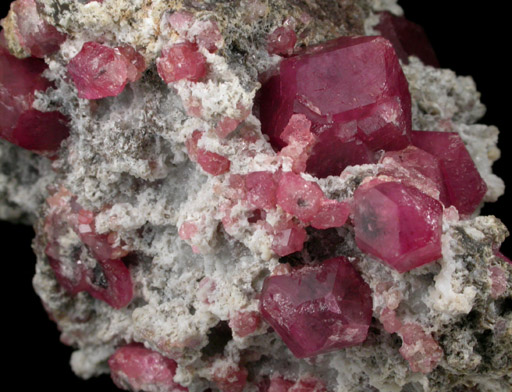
{"x":254,"y":196}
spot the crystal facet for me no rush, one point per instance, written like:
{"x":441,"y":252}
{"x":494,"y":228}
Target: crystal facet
{"x":408,"y":38}
{"x":353,"y":114}
{"x":398,"y":224}
{"x":181,"y":61}
{"x":37,"y":131}
{"x":319,"y":308}
{"x":464,"y":186}
{"x":99,"y":71}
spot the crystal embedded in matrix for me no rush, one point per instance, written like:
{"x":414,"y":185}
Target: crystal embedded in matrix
{"x":244,"y":196}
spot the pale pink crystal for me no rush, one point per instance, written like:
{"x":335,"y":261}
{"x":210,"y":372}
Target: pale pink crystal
{"x":187,"y":230}
{"x":331,"y":214}
{"x":318,"y":308}
{"x":289,"y":240}
{"x":300,"y":141}
{"x":181,"y":61}
{"x":279,"y":384}
{"x":212,"y":162}
{"x":281,"y":41}
{"x":244,"y":323}
{"x":134,"y":367}
{"x":261,"y":189}
{"x":299,"y":197}
{"x":499,"y":282}
{"x":226,"y":126}
{"x":389,"y":320}
{"x":230,"y":378}
{"x":421,"y":167}
{"x":419,"y":348}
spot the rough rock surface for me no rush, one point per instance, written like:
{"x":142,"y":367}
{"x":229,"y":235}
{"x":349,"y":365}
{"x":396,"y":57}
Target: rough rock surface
{"x":142,"y":180}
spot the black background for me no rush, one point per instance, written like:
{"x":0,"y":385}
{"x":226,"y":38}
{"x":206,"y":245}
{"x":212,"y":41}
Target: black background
{"x":471,"y":40}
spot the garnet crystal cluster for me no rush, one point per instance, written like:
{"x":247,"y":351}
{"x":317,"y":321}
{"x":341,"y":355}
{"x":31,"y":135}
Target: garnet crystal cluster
{"x":254,"y":196}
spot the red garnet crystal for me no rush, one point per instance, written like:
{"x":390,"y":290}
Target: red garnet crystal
{"x":408,"y":38}
{"x":181,"y":61}
{"x":99,"y":71}
{"x":95,"y":264}
{"x":464,"y":188}
{"x":354,"y":114}
{"x":32,"y":32}
{"x":37,"y":131}
{"x":136,"y":368}
{"x":320,"y":308}
{"x":398,"y":224}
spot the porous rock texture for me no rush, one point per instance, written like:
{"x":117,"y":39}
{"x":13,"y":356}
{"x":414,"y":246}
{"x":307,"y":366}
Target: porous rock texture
{"x":197,"y":271}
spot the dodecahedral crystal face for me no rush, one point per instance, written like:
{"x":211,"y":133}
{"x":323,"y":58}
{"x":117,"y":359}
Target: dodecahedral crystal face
{"x":464,"y":188}
{"x":99,"y":71}
{"x":319,"y":308}
{"x":398,"y":224}
{"x":354,"y":114}
{"x":408,"y":38}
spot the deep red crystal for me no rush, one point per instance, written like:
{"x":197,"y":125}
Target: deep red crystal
{"x":319,"y":308}
{"x":408,"y":38}
{"x":465,"y":188}
{"x":353,"y":114}
{"x":398,"y":224}
{"x":37,"y":131}
{"x":99,"y":71}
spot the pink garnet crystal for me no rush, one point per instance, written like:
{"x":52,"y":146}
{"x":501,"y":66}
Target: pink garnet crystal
{"x":33,"y":33}
{"x":398,"y":224}
{"x":95,"y":265}
{"x":281,"y":41}
{"x":99,"y":71}
{"x":181,"y":61}
{"x":463,"y":186}
{"x":134,"y":367}
{"x":408,"y":38}
{"x":353,"y":114}
{"x":41,"y":132}
{"x":320,"y":308}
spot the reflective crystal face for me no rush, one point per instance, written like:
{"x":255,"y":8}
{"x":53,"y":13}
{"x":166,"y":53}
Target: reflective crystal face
{"x":317,"y":309}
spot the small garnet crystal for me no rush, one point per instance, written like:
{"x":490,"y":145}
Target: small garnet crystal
{"x":320,"y":308}
{"x":134,"y":367}
{"x":99,"y":71}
